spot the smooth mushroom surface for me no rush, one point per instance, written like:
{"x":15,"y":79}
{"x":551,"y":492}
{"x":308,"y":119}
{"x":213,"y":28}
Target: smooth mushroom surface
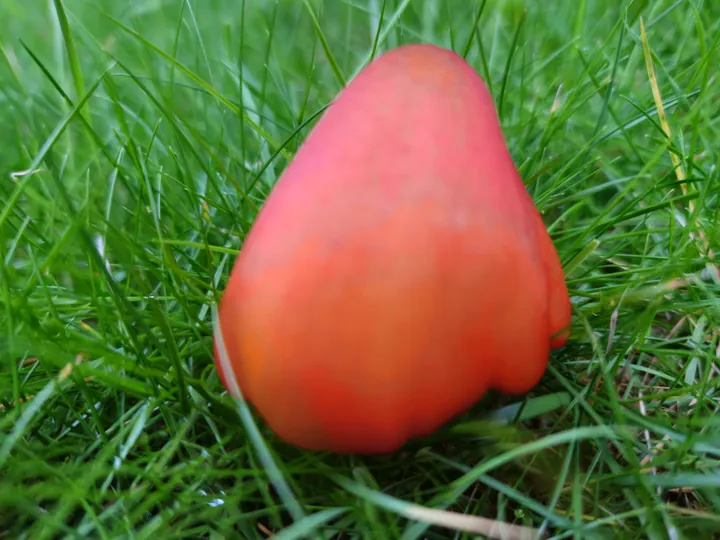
{"x":398,"y":270}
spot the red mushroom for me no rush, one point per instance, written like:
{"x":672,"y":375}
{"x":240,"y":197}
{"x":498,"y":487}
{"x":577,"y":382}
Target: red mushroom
{"x":398,"y":270}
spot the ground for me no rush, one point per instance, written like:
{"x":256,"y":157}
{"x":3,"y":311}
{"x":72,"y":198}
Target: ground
{"x":139,"y":140}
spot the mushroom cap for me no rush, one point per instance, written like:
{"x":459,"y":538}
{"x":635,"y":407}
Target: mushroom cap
{"x":398,"y":270}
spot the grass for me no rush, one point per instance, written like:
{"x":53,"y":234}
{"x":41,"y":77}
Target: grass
{"x":139,"y":140}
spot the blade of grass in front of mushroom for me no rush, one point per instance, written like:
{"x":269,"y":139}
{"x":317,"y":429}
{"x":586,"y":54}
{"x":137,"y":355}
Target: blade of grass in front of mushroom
{"x":261,"y":447}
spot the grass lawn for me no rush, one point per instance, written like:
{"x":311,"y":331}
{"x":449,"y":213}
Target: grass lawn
{"x":140,"y":138}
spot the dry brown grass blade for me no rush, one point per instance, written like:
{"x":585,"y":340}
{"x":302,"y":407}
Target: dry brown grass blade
{"x":489,"y":528}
